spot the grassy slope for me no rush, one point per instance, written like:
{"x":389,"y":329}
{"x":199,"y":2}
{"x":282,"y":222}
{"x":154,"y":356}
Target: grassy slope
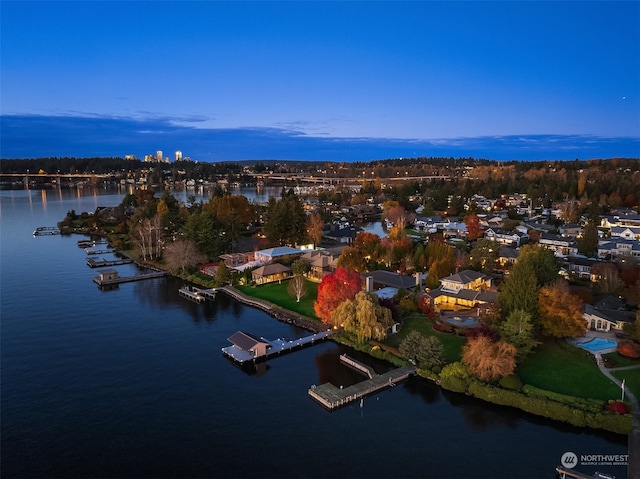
{"x":558,"y":366}
{"x":452,"y":344}
{"x":277,"y":293}
{"x":554,"y":365}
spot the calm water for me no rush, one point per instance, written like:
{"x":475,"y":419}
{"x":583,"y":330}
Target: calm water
{"x":132,"y":383}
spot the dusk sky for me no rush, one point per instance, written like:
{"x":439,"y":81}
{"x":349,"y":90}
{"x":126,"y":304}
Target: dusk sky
{"x":327,"y":80}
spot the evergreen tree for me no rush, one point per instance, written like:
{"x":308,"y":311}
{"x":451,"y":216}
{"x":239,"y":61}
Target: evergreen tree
{"x":520,"y":290}
{"x":588,"y":242}
{"x":517,"y":329}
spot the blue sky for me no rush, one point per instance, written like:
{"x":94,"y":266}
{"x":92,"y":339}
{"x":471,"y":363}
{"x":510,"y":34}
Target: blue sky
{"x":321,"y":80}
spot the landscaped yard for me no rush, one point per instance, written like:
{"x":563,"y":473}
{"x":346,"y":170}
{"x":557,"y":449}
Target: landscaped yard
{"x":558,"y":366}
{"x":451,"y":343}
{"x":619,"y":361}
{"x":277,"y":293}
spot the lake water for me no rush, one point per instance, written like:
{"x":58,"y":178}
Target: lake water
{"x":132,"y":383}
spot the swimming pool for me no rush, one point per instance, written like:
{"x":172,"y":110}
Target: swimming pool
{"x":598,"y":344}
{"x":464,"y":322}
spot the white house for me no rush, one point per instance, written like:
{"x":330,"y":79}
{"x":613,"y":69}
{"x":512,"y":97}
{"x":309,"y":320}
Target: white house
{"x":509,"y":238}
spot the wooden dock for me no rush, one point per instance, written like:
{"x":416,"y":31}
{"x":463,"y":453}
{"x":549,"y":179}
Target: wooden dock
{"x":100,"y":281}
{"x":92,"y":251}
{"x":197,"y":294}
{"x":46,"y":231}
{"x":276,"y":347}
{"x":358,"y":366}
{"x":333,"y":397}
{"x":100,"y":263}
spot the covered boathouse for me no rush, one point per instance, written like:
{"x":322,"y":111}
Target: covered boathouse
{"x":246,"y":346}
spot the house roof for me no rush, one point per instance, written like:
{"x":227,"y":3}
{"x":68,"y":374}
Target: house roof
{"x":269,"y":269}
{"x":388,"y":278}
{"x":464,"y":277}
{"x":278,"y":251}
{"x":246,"y":341}
{"x":507,"y":252}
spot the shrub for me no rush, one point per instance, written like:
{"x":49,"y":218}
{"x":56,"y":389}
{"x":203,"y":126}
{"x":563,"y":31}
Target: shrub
{"x":511,"y":382}
{"x":629,"y":349}
{"x":618,"y":407}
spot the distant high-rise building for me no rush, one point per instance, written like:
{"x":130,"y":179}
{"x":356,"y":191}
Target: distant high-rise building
{"x":159,"y":156}
{"x":130,"y":157}
{"x":178,"y":155}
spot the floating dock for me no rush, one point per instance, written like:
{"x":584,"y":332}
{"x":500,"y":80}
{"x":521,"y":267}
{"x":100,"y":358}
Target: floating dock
{"x":91,"y":251}
{"x":197,"y":294}
{"x":333,"y":397}
{"x":101,"y":263}
{"x":274,"y":348}
{"x":46,"y":231}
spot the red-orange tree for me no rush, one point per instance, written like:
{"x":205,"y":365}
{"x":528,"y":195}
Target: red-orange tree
{"x":560,"y":311}
{"x":488,"y":360}
{"x":334,"y":289}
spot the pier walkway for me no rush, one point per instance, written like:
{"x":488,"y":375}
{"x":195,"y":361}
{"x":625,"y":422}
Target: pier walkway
{"x":276,"y":347}
{"x":333,"y":397}
{"x":101,"y":281}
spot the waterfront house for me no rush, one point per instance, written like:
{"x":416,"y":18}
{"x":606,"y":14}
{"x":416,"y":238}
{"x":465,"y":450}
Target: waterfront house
{"x":606,"y":314}
{"x":270,"y":273}
{"x":463,"y":290}
{"x":322,"y":262}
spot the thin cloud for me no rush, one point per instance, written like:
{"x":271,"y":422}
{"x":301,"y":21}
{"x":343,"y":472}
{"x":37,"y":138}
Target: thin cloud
{"x":30,"y":136}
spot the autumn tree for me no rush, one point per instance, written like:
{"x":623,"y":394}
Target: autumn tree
{"x":364,"y":317}
{"x":488,"y":360}
{"x":367,"y":244}
{"x":473,"y":227}
{"x":233,"y":213}
{"x":315,"y":225}
{"x":517,"y":329}
{"x":182,"y":255}
{"x":427,"y":352}
{"x":297,"y":287}
{"x":351,"y":258}
{"x":560,"y":311}
{"x":334,"y":289}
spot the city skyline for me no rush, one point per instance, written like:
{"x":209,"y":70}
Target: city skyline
{"x":340,"y":81}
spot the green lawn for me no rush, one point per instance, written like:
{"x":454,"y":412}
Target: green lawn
{"x":560,"y":367}
{"x":451,"y":343}
{"x":632,"y":381}
{"x":619,"y":361}
{"x":277,"y":293}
